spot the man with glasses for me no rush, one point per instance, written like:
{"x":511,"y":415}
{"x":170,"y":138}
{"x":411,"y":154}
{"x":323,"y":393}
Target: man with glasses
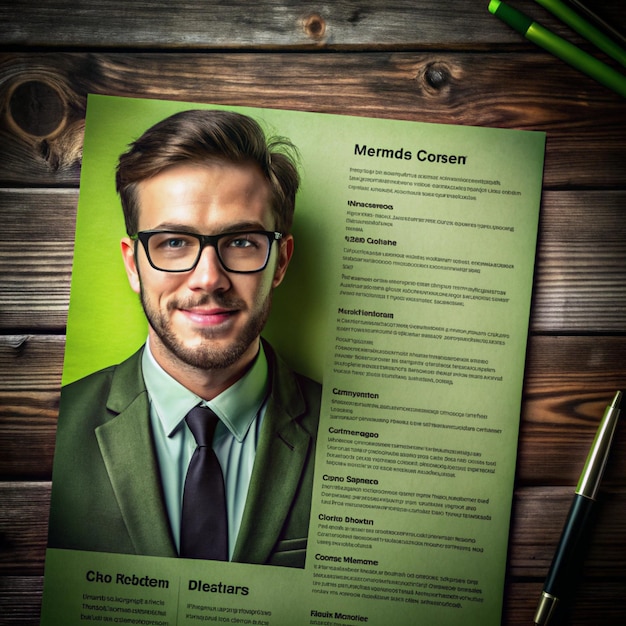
{"x":208,"y":205}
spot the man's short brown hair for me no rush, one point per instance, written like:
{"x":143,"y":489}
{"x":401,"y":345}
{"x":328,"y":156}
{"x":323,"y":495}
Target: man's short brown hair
{"x":209,"y":136}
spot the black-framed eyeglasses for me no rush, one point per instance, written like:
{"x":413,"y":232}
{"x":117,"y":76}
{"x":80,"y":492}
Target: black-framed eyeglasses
{"x":243,"y":252}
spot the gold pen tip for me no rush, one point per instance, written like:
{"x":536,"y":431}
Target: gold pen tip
{"x":617,"y":400}
{"x":545,"y":608}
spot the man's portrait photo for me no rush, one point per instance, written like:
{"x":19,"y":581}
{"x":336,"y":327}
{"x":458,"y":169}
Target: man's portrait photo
{"x":201,"y":443}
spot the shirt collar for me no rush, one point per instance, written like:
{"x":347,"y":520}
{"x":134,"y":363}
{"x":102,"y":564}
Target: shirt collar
{"x":236,"y":407}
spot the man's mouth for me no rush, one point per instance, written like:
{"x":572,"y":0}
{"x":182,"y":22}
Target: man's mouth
{"x":208,"y":316}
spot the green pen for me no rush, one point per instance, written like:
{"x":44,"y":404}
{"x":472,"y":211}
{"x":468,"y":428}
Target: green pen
{"x":559,"y":47}
{"x":581,"y":7}
{"x":584,"y":28}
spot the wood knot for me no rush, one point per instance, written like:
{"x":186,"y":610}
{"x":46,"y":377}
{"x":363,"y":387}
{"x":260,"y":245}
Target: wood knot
{"x":314,"y":26}
{"x":437,"y":75}
{"x":65,"y":149}
{"x":37,"y":109}
{"x":19,"y":343}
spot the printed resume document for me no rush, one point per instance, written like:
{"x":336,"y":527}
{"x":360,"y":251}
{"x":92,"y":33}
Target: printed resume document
{"x":408,"y":299}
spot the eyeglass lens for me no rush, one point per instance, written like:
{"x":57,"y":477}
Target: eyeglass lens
{"x":239,"y":252}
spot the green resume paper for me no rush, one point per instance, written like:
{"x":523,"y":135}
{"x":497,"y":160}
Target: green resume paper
{"x":408,"y":298}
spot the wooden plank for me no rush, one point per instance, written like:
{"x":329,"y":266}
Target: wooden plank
{"x":568,"y":383}
{"x":20,"y":599}
{"x":36,"y":257}
{"x":201,"y":24}
{"x":581,"y":258}
{"x":586,"y":134}
{"x":29,"y":404}
{"x":592,"y":602}
{"x":580,"y":281}
{"x":23,"y":527}
{"x":539,"y":514}
{"x":553,"y":446}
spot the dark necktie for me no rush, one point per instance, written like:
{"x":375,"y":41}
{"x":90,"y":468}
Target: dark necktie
{"x":204,"y":529}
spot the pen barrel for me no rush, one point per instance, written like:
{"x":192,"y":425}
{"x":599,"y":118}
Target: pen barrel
{"x":560,"y":47}
{"x":565,"y":559}
{"x":577,"y":58}
{"x":587,"y":30}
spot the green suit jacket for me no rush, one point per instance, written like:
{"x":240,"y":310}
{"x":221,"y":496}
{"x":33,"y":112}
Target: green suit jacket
{"x":106,"y":491}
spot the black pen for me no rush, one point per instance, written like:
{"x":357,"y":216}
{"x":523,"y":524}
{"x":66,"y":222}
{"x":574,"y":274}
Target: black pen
{"x":579,"y":513}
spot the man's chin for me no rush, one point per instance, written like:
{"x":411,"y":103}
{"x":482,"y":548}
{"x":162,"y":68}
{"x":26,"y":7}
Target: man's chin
{"x":210,"y":352}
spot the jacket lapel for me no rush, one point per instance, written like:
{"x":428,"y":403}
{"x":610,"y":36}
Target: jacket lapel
{"x":280,"y":459}
{"x":127,"y":450}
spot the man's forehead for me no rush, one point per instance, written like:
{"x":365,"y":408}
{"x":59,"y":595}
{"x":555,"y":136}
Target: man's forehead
{"x":192,"y":192}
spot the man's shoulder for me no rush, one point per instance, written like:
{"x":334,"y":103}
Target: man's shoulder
{"x":91,"y":381}
{"x":95,"y":388}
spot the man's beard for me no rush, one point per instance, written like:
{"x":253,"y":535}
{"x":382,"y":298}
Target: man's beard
{"x":206,"y":355}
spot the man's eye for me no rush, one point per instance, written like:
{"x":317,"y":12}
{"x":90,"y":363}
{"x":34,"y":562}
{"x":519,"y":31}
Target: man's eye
{"x":249,"y":241}
{"x":240,"y":242}
{"x":175,"y":243}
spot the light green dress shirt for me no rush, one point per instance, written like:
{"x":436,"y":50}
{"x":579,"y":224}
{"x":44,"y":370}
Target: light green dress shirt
{"x":240,"y":408}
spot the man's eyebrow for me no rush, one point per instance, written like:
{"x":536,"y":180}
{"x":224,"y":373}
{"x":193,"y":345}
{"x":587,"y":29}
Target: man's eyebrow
{"x":227,"y":228}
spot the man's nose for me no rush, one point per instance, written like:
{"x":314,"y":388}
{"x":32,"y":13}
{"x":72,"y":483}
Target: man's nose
{"x":209,"y":274}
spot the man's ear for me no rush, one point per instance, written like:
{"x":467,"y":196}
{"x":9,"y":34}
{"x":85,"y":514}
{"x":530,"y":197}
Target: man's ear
{"x":130,"y":263}
{"x":285,"y":252}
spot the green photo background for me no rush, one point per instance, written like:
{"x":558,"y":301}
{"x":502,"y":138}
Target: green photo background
{"x":106,"y":323}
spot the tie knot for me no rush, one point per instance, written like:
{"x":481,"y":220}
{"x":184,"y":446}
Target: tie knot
{"x":202,"y":422}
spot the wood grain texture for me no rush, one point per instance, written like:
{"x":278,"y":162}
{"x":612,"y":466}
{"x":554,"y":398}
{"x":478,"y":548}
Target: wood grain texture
{"x":30,"y":384}
{"x":410,"y":59}
{"x":36,"y":257}
{"x":202,"y":24}
{"x":581,"y":259}
{"x":442,"y":87}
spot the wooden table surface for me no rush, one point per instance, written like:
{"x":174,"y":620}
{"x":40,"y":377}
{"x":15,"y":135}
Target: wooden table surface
{"x":415,"y":60}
